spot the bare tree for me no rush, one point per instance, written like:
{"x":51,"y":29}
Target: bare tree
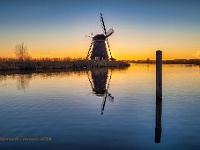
{"x":21,"y":52}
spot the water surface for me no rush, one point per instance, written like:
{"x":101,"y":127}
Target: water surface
{"x":101,"y":109}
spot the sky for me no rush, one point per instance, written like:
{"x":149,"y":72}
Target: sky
{"x":57,"y":28}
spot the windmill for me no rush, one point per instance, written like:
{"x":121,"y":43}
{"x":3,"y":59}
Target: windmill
{"x":98,"y":50}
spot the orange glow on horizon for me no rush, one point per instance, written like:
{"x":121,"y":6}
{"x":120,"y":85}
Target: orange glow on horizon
{"x":134,"y":55}
{"x":135,"y":51}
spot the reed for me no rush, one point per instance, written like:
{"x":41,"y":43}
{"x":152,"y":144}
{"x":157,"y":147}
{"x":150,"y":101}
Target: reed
{"x":57,"y":63}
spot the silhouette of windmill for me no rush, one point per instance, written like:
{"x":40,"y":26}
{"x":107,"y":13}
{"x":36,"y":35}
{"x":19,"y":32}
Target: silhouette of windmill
{"x":98,"y":50}
{"x":100,"y":86}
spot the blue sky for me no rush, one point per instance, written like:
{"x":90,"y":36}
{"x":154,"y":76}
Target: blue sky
{"x":57,"y":28}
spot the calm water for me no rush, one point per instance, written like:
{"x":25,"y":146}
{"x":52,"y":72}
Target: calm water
{"x":101,"y":109}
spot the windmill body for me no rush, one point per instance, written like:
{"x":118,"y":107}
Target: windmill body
{"x":98,"y":50}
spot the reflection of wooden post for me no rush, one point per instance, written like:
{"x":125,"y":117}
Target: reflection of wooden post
{"x":158,"y":128}
{"x":158,"y":74}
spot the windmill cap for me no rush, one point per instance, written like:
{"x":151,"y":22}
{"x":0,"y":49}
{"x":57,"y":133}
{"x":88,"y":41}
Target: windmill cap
{"x":99,"y":37}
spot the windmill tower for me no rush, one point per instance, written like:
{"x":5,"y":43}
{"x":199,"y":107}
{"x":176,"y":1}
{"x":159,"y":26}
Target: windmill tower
{"x":98,"y":50}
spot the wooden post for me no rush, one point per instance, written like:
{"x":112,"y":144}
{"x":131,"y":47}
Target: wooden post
{"x":158,"y":128}
{"x":159,"y":74}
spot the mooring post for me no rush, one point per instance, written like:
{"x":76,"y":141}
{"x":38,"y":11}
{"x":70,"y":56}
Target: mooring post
{"x":158,"y":128}
{"x":159,"y":74}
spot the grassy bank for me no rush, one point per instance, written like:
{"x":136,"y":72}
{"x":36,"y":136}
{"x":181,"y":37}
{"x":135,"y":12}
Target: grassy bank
{"x":175,"y":61}
{"x":59,"y":64}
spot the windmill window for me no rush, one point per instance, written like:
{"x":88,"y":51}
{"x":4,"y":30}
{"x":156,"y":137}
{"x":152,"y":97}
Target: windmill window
{"x":97,"y":58}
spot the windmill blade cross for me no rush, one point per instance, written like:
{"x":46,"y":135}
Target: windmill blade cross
{"x":89,"y":50}
{"x":109,"y":47}
{"x":102,"y":23}
{"x":88,"y":36}
{"x":109,"y":32}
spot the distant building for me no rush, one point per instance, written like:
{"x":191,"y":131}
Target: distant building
{"x":148,"y":60}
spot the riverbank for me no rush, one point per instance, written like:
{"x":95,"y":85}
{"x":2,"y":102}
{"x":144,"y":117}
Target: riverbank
{"x":175,"y":61}
{"x":73,"y":65}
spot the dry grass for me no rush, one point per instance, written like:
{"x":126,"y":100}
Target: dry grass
{"x":57,"y":63}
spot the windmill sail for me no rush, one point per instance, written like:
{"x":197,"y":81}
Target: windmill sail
{"x":89,"y":51}
{"x":102,"y":23}
{"x":107,"y":33}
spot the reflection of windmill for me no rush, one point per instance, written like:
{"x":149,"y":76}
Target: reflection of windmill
{"x":97,"y":48}
{"x":100,"y":86}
